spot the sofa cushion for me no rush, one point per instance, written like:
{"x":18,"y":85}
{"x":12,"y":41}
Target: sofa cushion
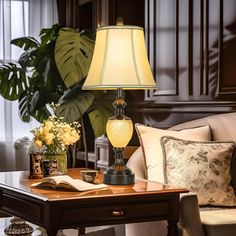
{"x":137,"y":165}
{"x":219,"y":222}
{"x":150,"y":137}
{"x":218,"y":217}
{"x":201,"y":167}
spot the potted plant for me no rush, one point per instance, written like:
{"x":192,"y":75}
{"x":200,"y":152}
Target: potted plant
{"x":53,"y":70}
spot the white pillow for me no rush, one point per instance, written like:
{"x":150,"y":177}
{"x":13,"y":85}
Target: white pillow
{"x":201,"y":167}
{"x":150,"y":140}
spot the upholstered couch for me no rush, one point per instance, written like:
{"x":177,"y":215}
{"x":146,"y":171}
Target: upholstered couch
{"x":194,"y":220}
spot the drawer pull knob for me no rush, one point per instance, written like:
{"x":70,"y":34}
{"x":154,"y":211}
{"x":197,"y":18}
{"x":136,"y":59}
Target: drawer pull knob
{"x":118,"y":213}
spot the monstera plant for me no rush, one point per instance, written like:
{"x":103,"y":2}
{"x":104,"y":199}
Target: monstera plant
{"x":53,"y":70}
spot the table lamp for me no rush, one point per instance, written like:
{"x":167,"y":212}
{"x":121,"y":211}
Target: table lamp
{"x":119,"y":62}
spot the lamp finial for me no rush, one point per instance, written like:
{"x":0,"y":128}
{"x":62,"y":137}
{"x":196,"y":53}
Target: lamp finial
{"x":119,"y":21}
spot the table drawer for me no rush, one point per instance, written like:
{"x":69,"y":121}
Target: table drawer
{"x":116,"y":213}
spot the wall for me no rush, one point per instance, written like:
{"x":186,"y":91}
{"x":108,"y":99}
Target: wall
{"x":192,"y":48}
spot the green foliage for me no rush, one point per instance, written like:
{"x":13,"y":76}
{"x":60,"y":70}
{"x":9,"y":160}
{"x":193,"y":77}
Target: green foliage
{"x":73,"y":54}
{"x":49,"y":34}
{"x":53,"y":70}
{"x":25,"y":43}
{"x":13,"y":81}
{"x":101,"y":110}
{"x":34,"y":80}
{"x":98,"y":104}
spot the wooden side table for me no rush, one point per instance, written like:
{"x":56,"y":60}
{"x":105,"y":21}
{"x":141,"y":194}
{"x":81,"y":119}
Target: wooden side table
{"x":54,"y":210}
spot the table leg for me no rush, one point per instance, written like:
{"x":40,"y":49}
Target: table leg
{"x":172,"y":228}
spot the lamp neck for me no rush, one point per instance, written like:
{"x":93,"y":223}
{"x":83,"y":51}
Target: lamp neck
{"x":118,"y":153}
{"x":119,"y":159}
{"x":119,"y":103}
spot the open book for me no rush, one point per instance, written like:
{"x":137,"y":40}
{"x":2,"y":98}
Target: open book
{"x":66,"y":182}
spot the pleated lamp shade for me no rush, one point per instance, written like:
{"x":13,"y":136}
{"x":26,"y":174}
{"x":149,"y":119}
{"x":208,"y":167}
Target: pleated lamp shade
{"x":119,"y":60}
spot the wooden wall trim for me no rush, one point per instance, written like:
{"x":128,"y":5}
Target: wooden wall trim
{"x":68,"y":12}
{"x":202,"y":77}
{"x":204,"y":47}
{"x":190,"y":47}
{"x":205,"y":86}
{"x":141,"y":105}
{"x":220,"y":45}
{"x":177,"y":47}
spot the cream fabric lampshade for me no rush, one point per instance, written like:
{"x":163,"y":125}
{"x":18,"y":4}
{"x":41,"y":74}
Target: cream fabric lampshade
{"x":119,"y":60}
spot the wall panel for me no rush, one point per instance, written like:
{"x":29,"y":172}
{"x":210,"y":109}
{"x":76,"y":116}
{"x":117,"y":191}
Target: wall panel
{"x":192,"y":46}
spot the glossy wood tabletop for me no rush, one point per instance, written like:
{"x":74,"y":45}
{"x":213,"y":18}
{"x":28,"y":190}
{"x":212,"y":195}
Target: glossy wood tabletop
{"x":19,"y":181}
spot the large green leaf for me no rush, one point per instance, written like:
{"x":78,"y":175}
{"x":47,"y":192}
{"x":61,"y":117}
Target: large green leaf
{"x":74,"y":108}
{"x":25,"y":42}
{"x":73,"y":55}
{"x":25,"y":111}
{"x":13,"y":81}
{"x":49,"y":34}
{"x":100,"y":111}
{"x":24,"y":105}
{"x":26,"y":58}
{"x":72,"y":92}
{"x":41,"y":115}
{"x":42,"y":97}
{"x":47,"y":70}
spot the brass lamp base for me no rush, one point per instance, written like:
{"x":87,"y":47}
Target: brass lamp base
{"x":18,"y":227}
{"x":118,"y":173}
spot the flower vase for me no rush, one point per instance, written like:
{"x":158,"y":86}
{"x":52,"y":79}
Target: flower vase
{"x":61,"y":159}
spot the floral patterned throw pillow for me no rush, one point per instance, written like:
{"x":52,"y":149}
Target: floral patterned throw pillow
{"x":201,"y":167}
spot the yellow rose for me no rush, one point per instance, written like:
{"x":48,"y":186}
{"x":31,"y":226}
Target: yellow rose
{"x":49,"y":138}
{"x":48,"y":124}
{"x":38,"y":143}
{"x":74,"y":137}
{"x":65,"y":139}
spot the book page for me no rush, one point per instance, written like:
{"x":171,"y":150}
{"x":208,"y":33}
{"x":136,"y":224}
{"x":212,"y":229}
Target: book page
{"x":65,"y":181}
{"x":58,"y":179}
{"x":53,"y":180}
{"x":81,"y":185}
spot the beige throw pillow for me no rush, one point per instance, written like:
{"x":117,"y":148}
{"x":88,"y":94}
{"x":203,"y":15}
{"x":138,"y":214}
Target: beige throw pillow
{"x":201,"y":167}
{"x":150,"y":140}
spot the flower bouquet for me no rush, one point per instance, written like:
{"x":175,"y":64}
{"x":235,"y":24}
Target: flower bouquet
{"x":54,"y":136}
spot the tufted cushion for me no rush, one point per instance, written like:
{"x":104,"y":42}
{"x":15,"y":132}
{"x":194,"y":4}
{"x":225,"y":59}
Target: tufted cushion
{"x":150,"y":141}
{"x":202,"y":167}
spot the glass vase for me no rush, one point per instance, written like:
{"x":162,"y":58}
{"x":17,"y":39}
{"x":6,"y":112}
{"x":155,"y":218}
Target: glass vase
{"x":61,"y":159}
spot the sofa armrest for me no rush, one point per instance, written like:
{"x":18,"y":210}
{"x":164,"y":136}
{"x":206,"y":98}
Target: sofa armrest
{"x":190,"y":221}
{"x":137,"y":165}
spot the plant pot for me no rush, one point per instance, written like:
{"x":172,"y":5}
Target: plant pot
{"x":61,"y":159}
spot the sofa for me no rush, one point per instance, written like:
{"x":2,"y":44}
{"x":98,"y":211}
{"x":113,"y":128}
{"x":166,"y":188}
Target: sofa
{"x":195,"y":220}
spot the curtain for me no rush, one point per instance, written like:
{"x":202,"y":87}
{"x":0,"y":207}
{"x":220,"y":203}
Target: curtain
{"x":23,"y":18}
{"x":42,"y":14}
{"x":20,"y":18}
